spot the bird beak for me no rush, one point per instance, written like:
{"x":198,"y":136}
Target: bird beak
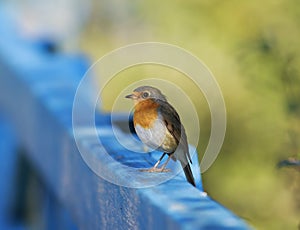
{"x":132,"y":96}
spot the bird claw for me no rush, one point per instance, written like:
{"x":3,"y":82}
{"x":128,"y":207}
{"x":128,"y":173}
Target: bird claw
{"x":155,"y":170}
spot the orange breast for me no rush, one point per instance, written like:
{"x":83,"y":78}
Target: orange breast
{"x":145,"y":113}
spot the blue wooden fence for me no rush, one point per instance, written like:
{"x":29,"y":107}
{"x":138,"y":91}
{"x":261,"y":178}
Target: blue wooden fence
{"x":44,"y":181}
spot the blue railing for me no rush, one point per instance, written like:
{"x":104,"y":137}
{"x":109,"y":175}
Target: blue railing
{"x":37,"y":88}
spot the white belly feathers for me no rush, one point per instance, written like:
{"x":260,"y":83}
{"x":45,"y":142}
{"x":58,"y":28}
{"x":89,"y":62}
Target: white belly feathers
{"x":157,"y":137}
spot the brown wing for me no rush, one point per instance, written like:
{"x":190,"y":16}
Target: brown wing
{"x":173,"y":124}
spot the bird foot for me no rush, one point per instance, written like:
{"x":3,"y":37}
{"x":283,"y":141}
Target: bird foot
{"x":155,"y":170}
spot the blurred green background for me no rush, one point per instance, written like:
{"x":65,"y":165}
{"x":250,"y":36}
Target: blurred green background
{"x":253,"y":50}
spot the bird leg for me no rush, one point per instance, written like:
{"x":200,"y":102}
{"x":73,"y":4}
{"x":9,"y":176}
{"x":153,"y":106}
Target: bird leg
{"x":155,"y":167}
{"x":163,"y":167}
{"x":157,"y":163}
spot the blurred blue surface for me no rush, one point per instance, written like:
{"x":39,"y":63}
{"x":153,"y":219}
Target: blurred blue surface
{"x":8,"y":164}
{"x":37,"y":90}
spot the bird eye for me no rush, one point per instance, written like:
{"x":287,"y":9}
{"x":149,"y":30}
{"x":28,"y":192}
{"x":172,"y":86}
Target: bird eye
{"x":145,"y":95}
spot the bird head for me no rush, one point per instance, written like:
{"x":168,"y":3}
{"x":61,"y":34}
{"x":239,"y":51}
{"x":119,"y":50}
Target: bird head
{"x":146,"y":92}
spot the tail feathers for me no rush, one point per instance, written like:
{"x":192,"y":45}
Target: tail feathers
{"x":188,"y":173}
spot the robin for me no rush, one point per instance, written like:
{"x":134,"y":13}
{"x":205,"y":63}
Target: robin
{"x":158,"y":126}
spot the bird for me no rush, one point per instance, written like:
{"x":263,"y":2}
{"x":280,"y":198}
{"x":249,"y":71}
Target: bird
{"x":158,"y":126}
